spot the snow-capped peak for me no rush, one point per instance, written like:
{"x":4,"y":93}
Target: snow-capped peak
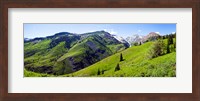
{"x":119,"y":38}
{"x":134,"y":38}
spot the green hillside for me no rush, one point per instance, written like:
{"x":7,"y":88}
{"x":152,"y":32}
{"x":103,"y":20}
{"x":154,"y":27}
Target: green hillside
{"x":34,"y":74}
{"x":65,"y":53}
{"x":136,"y":63}
{"x":99,"y":54}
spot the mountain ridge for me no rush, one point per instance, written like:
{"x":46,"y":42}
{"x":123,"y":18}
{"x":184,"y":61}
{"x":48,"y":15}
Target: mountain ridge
{"x":66,"y":52}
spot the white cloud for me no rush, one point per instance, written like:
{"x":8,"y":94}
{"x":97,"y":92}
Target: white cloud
{"x":173,"y":32}
{"x":111,"y":31}
{"x":105,"y":30}
{"x":157,"y":32}
{"x":89,"y":31}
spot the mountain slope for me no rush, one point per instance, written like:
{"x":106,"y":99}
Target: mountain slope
{"x":135,"y":64}
{"x":67,"y":52}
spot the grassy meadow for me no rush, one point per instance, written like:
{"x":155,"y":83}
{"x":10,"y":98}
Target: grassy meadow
{"x":136,"y":63}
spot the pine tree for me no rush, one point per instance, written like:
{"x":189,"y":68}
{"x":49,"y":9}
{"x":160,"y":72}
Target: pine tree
{"x":175,"y":40}
{"x":98,"y":72}
{"x":102,"y":72}
{"x":174,"y":44}
{"x":163,"y":37}
{"x":121,"y":57}
{"x":170,"y":39}
{"x":117,"y":67}
{"x":168,"y":43}
{"x":168,"y":50}
{"x":167,"y":36}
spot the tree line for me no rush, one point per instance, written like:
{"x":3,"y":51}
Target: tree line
{"x":160,"y":47}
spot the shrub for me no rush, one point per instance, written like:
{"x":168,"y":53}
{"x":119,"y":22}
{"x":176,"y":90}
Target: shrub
{"x":168,"y":50}
{"x":157,"y":49}
{"x":135,"y":44}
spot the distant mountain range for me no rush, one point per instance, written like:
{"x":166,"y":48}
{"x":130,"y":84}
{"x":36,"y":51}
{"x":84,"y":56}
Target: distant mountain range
{"x":134,"y":39}
{"x":141,"y":39}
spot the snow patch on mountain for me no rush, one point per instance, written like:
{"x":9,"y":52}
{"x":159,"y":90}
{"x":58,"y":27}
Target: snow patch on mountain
{"x":120,"y":39}
{"x":135,"y":38}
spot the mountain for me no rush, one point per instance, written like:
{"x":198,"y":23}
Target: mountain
{"x":135,"y":64}
{"x":66,"y":52}
{"x":134,"y":39}
{"x":26,"y":39}
{"x":141,"y":39}
{"x":121,"y":39}
{"x":151,"y":36}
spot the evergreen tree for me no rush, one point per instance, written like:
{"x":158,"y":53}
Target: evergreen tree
{"x":121,"y":57}
{"x":168,"y":50}
{"x":98,"y":72}
{"x":170,"y":39}
{"x":175,"y":44}
{"x":175,"y":40}
{"x":140,"y":43}
{"x":167,"y":36}
{"x":102,"y":72}
{"x":169,"y":42}
{"x":163,"y":37}
{"x":174,"y":35}
{"x":117,"y":67}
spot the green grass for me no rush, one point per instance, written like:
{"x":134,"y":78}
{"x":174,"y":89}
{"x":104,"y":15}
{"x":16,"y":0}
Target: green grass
{"x":136,"y":61}
{"x":33,"y":74}
{"x":74,"y":51}
{"x":116,"y":48}
{"x":44,"y":56}
{"x":136,"y":64}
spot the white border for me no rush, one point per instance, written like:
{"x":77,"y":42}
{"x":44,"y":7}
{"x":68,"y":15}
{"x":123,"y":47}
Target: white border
{"x":180,"y":84}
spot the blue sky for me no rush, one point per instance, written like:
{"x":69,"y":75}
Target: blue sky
{"x":123,"y":30}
